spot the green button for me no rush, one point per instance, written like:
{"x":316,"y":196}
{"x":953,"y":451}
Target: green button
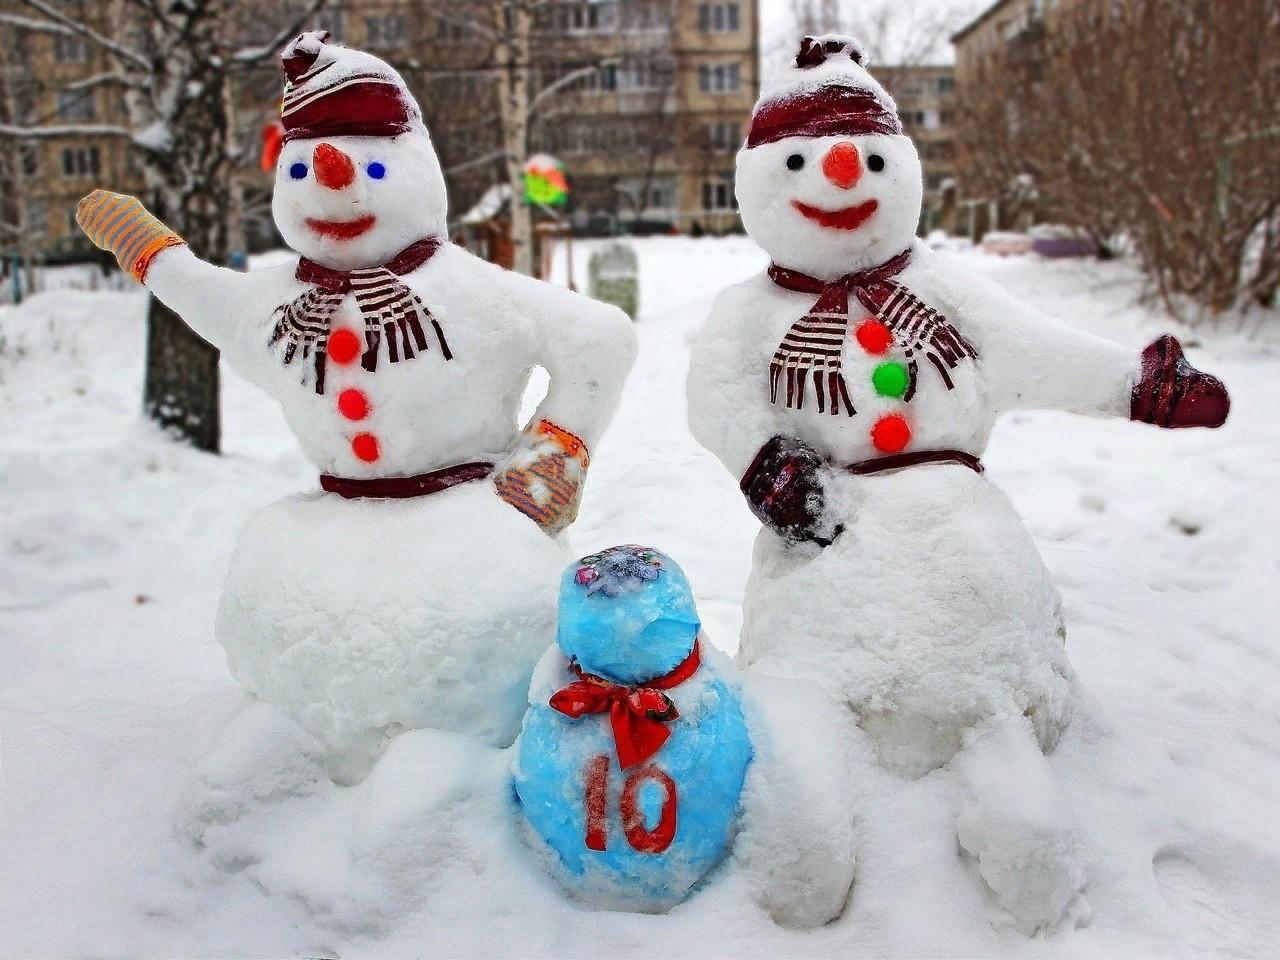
{"x":890,"y":379}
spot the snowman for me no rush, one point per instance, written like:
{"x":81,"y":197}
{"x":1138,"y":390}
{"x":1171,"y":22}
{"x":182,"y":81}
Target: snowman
{"x":416,"y":588}
{"x":852,"y":388}
{"x":635,"y":746}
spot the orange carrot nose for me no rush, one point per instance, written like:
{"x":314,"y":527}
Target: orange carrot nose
{"x":842,"y":165}
{"x":333,"y":168}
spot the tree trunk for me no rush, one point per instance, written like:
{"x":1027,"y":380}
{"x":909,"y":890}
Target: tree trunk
{"x":181,"y":390}
{"x":513,"y":53}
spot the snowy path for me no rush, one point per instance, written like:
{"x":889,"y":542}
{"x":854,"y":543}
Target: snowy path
{"x":115,"y":541}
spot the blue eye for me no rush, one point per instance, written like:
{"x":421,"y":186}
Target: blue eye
{"x":298,"y":171}
{"x":377,"y":170}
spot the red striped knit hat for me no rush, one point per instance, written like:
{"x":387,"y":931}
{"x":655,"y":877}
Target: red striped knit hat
{"x":827,"y":93}
{"x":334,"y":91}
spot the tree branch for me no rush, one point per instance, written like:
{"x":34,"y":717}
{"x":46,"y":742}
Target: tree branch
{"x":42,"y":26}
{"x":253,"y":55}
{"x":66,"y":130}
{"x":121,"y":51}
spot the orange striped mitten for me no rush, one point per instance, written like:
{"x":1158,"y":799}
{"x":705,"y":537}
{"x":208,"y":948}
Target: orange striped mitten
{"x":543,"y":479}
{"x":121,"y":225}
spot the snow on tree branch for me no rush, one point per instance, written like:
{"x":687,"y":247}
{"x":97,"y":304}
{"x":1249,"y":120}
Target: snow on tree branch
{"x":41,"y":26}
{"x":252,"y":55}
{"x":67,"y":130}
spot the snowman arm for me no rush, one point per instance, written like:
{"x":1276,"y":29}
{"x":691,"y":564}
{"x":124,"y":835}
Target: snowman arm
{"x":213,"y":301}
{"x":727,"y":388}
{"x":587,"y":349}
{"x":210,"y":299}
{"x":1030,"y":361}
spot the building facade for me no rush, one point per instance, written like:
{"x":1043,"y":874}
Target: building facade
{"x":925,"y":95}
{"x":645,"y":102}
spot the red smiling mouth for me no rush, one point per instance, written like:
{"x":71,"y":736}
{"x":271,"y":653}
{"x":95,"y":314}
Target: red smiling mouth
{"x":849,"y":218}
{"x":341,"y":229}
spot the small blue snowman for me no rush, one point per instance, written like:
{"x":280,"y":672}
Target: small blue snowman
{"x":634,"y":747}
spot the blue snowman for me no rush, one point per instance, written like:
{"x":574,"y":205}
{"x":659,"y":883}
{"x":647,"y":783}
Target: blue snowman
{"x":634,"y":748}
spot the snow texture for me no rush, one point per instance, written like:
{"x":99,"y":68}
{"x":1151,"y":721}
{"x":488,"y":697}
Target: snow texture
{"x":113,"y":688}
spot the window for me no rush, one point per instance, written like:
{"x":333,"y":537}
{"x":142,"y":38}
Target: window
{"x":80,"y":162}
{"x":632,"y":76}
{"x":67,"y":49}
{"x":717,"y":195}
{"x":30,"y":154}
{"x":946,"y":84}
{"x":387,"y":30}
{"x":449,"y":30}
{"x":75,"y":104}
{"x":723,"y":135}
{"x":718,"y":17}
{"x":719,"y":77}
{"x":37,"y":219}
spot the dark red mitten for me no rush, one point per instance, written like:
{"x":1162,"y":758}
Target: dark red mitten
{"x":783,"y":486}
{"x":1173,"y":393}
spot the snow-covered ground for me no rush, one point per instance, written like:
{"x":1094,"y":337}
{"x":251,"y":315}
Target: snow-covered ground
{"x":114,"y":545}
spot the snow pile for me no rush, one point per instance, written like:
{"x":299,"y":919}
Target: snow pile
{"x":115,"y":543}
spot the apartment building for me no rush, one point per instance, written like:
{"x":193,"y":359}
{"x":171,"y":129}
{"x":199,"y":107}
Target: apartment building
{"x":925,"y":95}
{"x":644,"y":101}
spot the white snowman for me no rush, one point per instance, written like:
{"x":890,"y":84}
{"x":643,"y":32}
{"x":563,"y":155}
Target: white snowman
{"x":417,"y":588}
{"x":852,"y":388}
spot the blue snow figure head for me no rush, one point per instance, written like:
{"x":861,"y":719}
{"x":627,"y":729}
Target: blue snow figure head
{"x":627,"y":614}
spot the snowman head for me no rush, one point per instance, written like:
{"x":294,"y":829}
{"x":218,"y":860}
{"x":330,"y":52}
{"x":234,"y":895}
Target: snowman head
{"x":827,"y":183}
{"x":626,"y":614}
{"x":358,"y":179}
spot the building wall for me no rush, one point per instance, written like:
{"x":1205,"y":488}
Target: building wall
{"x":925,"y":96}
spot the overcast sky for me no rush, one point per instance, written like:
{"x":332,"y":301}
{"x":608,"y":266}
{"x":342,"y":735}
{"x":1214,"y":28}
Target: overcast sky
{"x":778,"y":33}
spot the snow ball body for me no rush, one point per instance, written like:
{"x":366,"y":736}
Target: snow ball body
{"x":638,"y":838}
{"x":363,"y":617}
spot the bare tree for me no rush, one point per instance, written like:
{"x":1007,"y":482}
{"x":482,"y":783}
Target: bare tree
{"x":899,"y":32}
{"x":173,"y":62}
{"x":1151,"y":120}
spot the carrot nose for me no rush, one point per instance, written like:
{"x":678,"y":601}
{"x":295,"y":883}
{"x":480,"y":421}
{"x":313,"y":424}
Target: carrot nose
{"x":842,"y":165}
{"x":333,"y":168}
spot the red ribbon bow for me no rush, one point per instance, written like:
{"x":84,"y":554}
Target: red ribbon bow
{"x":638,"y":714}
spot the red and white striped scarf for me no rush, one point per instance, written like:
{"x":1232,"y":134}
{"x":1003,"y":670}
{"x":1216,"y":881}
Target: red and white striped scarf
{"x":392,"y":312}
{"x":814,"y":343}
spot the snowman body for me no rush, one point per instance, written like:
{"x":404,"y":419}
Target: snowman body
{"x":622,"y":830}
{"x":932,"y":610}
{"x":361,"y":617}
{"x":642,"y":838}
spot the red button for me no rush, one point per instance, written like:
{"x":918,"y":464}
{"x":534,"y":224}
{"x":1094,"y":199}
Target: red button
{"x":353,"y":404}
{"x":365,"y":446}
{"x":874,"y":336}
{"x":891,"y":434}
{"x":343,"y":346}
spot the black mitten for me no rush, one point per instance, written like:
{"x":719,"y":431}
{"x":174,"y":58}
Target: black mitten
{"x":784,"y":488}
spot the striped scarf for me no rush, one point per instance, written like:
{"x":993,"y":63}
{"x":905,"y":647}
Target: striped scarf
{"x":814,"y":343}
{"x":392,"y":312}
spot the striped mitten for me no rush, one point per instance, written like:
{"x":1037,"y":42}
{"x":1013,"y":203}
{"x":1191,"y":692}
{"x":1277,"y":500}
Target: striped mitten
{"x":121,"y":225}
{"x":543,"y":479}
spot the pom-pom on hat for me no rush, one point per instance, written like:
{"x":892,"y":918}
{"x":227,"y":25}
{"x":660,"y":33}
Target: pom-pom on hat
{"x":828,"y":92}
{"x":334,"y":91}
{"x":626,"y":614}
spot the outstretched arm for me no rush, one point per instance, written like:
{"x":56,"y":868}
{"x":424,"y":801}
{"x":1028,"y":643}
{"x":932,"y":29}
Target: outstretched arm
{"x":210,"y":299}
{"x":587,"y":349}
{"x":1032,"y":361}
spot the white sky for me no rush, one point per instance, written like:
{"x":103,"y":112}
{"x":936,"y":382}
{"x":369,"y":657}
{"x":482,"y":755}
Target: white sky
{"x":778,"y":34}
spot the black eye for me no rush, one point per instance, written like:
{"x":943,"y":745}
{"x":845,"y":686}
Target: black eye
{"x":875,"y":162}
{"x":795,"y":162}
